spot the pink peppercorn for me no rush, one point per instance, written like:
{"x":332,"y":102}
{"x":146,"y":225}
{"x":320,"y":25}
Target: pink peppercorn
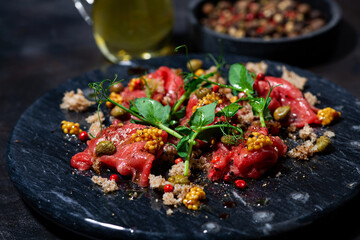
{"x":240,"y":184}
{"x":114,"y":177}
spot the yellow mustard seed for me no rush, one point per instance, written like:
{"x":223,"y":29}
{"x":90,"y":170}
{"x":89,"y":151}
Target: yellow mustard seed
{"x":138,"y":83}
{"x":258,"y":141}
{"x":116,"y":98}
{"x":327,"y":115}
{"x":150,"y":136}
{"x":199,"y":72}
{"x":208,"y":99}
{"x":234,"y":99}
{"x":193,"y":198}
{"x":70,"y":127}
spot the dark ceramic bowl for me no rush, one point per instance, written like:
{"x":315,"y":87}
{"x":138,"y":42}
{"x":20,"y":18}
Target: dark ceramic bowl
{"x":308,"y":48}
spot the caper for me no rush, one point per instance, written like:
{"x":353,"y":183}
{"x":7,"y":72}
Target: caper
{"x":281,"y":113}
{"x":118,"y":112}
{"x":179,"y":179}
{"x":118,"y":87}
{"x":105,"y":148}
{"x":227,"y":140}
{"x":202,"y":92}
{"x":194,"y":64}
{"x":322,"y":143}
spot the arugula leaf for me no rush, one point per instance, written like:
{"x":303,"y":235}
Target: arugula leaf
{"x":183,"y":146}
{"x":257,"y":105}
{"x":153,"y":110}
{"x":260,"y":107}
{"x":240,"y":78}
{"x":132,"y":106}
{"x":184,"y":130}
{"x":229,"y":111}
{"x":203,"y":116}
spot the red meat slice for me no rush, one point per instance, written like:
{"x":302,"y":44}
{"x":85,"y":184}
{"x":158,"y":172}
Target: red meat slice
{"x":129,"y":158}
{"x":169,"y":87}
{"x":82,"y":161}
{"x":255,"y":163}
{"x":287,"y":94}
{"x":221,"y":162}
{"x":173,"y":83}
{"x":131,"y":96}
{"x":237,"y":161}
{"x":193,"y":101}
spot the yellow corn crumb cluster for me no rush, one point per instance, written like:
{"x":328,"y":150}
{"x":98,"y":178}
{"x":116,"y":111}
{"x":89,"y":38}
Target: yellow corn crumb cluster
{"x":258,"y":141}
{"x":70,"y":127}
{"x":193,"y":198}
{"x":135,"y":82}
{"x":116,"y":98}
{"x":152,"y":136}
{"x":327,"y":115}
{"x":208,"y":99}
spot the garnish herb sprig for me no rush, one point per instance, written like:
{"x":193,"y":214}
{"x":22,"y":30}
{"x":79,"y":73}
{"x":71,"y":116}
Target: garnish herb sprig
{"x":198,"y":123}
{"x":149,"y":111}
{"x":146,"y":110}
{"x":192,"y":81}
{"x":240,"y":78}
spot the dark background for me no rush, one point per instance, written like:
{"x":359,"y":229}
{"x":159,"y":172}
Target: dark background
{"x":45,"y":42}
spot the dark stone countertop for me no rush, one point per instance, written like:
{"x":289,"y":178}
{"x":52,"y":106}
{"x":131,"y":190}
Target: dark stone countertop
{"x":43,"y":43}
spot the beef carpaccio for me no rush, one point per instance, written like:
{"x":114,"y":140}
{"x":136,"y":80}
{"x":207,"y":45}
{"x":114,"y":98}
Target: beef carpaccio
{"x":130,"y":156}
{"x":231,"y":132}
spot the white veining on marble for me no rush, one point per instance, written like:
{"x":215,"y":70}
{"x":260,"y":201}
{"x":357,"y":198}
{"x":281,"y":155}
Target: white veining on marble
{"x":109,"y":225}
{"x":339,"y":108}
{"x":267,"y":228}
{"x":238,"y":197}
{"x":355,"y":144}
{"x":352,"y":185}
{"x":298,"y":196}
{"x":211,"y":227}
{"x":356,"y":128}
{"x":317,"y":207}
{"x":25,"y":151}
{"x":263,"y":216}
{"x":72,"y":202}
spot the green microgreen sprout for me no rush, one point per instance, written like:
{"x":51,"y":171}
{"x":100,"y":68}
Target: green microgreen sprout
{"x":99,"y":92}
{"x":260,"y":106}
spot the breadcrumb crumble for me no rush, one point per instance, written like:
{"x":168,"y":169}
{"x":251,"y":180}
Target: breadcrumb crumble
{"x":75,"y":101}
{"x":95,"y":118}
{"x":293,"y":78}
{"x":257,"y":67}
{"x":106,"y":184}
{"x":311,"y":98}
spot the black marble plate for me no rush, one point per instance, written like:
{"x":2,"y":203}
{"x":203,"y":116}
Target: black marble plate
{"x":293,"y":195}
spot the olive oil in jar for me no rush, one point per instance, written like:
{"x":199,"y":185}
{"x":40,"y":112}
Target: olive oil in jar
{"x":132,"y":29}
